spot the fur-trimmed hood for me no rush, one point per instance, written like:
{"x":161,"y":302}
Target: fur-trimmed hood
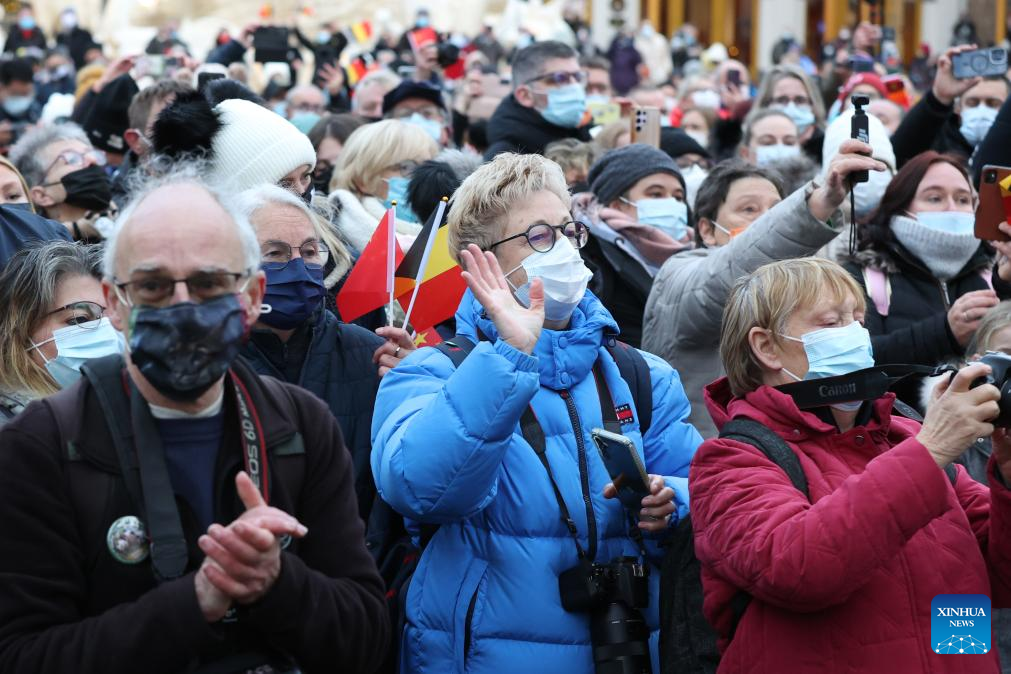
{"x":357,"y":219}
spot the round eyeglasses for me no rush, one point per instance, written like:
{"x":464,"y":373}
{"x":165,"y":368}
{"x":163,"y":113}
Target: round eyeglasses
{"x":542,"y":236}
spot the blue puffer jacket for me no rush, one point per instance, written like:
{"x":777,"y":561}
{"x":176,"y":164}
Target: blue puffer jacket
{"x":447,"y":449}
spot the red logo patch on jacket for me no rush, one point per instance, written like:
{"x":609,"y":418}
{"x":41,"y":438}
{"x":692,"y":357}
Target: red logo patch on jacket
{"x":624,"y":413}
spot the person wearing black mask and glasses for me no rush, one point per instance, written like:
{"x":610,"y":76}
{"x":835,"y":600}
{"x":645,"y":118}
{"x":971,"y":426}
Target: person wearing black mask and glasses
{"x":67,"y":179}
{"x":174,"y":496}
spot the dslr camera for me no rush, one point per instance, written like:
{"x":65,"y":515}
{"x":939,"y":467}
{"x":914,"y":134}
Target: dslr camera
{"x":1000,"y":376}
{"x":612,"y":594}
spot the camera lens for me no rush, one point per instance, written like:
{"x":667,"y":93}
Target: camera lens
{"x":998,"y":55}
{"x":990,"y":177}
{"x":978,"y":63}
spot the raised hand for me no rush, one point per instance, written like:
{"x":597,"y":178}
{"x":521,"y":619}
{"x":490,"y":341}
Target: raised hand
{"x":518,"y":326}
{"x":398,"y":346}
{"x":946,"y":88}
{"x":853,"y":156}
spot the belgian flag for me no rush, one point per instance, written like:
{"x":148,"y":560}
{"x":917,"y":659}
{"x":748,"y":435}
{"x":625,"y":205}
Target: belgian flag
{"x":441,"y":285}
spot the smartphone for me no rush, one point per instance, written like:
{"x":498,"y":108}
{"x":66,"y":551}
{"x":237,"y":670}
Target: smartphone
{"x":270,"y":43}
{"x":623,"y":464}
{"x":991,"y":212}
{"x":980,"y":63}
{"x":734,"y":77}
{"x":860,"y":64}
{"x":646,"y":126}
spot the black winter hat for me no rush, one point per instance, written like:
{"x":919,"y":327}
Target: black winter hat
{"x":107,"y":118}
{"x":618,"y":170}
{"x":676,"y":142}
{"x":411,"y":89}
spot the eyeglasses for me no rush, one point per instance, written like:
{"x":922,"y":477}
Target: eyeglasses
{"x":542,"y":237}
{"x":202,"y":286}
{"x":277,"y":254}
{"x":685,"y":163}
{"x":76,"y":159}
{"x":560,"y":78}
{"x":81,"y":313}
{"x":787,"y":100}
{"x":429,"y":112}
{"x":308,"y":107}
{"x":404,"y":168}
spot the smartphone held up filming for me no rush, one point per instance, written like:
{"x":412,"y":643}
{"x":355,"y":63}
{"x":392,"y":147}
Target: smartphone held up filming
{"x":623,"y":464}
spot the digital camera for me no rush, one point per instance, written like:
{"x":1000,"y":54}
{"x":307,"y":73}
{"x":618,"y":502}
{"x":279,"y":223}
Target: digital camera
{"x":1000,"y":376}
{"x":612,"y":594}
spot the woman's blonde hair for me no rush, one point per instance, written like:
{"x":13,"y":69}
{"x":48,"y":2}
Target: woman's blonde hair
{"x":4,"y":161}
{"x":28,"y":288}
{"x":767,"y":298}
{"x":487,"y":195}
{"x":374,"y":148}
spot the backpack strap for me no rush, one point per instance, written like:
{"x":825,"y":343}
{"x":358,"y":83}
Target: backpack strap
{"x":635,"y":371}
{"x":879,"y":289}
{"x":774,"y":447}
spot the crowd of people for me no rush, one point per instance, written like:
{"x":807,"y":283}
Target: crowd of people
{"x":652,"y":438}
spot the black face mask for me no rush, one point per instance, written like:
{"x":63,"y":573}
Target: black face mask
{"x":182,"y":349}
{"x":88,"y":188}
{"x":308,"y":194}
{"x":321,"y":181}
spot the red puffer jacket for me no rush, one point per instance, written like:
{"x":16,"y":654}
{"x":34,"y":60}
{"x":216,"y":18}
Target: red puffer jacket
{"x":842,"y":583}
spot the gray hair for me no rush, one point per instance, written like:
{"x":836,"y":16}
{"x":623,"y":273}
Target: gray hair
{"x":28,"y":154}
{"x":529,"y":61}
{"x":301,"y":89}
{"x":185,"y":172}
{"x":994,"y":320}
{"x":252,"y":200}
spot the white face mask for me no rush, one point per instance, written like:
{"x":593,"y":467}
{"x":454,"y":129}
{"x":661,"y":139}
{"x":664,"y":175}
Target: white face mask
{"x":766,"y":154}
{"x":694,"y":176}
{"x":706,"y":98}
{"x":700,"y":137}
{"x":564,"y":275}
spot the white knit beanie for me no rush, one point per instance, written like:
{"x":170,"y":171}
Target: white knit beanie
{"x":256,"y":145}
{"x":839,"y":131}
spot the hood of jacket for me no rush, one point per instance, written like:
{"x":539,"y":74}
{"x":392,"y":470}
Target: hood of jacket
{"x":526,"y":129}
{"x":563,"y":356}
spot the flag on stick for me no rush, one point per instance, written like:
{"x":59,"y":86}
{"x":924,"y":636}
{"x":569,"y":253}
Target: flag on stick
{"x":431,"y":274}
{"x":370,"y":283}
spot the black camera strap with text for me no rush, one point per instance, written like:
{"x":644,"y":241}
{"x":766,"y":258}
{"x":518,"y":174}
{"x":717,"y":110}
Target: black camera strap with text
{"x":867,"y":384}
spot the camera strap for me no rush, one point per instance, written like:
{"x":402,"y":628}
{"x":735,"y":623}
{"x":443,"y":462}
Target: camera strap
{"x":169,"y":552}
{"x":867,"y":384}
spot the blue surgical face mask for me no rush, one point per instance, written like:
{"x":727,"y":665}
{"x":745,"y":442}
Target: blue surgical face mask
{"x":433,"y":129}
{"x":668,"y":215}
{"x":304,"y":121}
{"x":766,"y":154}
{"x":976,"y":122}
{"x":566,"y":106}
{"x":397,"y":191}
{"x":802,"y":115}
{"x":76,"y":344}
{"x":597,"y":99}
{"x":26,"y":23}
{"x":954,"y":222}
{"x":17,"y":105}
{"x":294,"y":293}
{"x":836,"y":351}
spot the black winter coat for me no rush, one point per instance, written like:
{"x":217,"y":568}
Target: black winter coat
{"x":336,"y":365}
{"x":514,"y":128}
{"x":621,"y":284}
{"x":66,"y":605}
{"x":929,"y":125}
{"x":916,"y":328}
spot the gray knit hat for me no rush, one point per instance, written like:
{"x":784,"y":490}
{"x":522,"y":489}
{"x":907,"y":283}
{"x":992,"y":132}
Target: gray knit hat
{"x":618,"y":170}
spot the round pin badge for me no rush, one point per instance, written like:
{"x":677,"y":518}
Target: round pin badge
{"x":127,"y":540}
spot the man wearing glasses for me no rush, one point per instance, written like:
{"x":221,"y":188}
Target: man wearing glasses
{"x":66,"y":179}
{"x":175,"y":512}
{"x":548,"y":102}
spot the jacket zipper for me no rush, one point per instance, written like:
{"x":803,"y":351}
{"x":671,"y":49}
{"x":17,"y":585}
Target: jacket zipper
{"x":944,"y":294}
{"x":466,"y":628}
{"x":584,"y":475}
